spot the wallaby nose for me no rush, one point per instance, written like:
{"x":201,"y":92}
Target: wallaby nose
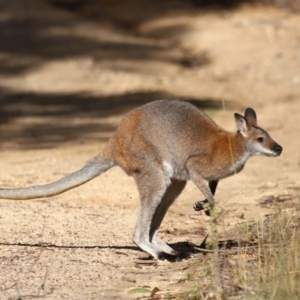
{"x":278,"y":149}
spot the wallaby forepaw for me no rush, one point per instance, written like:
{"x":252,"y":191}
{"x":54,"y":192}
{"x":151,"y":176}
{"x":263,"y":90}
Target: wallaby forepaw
{"x":202,"y":205}
{"x":199,"y":205}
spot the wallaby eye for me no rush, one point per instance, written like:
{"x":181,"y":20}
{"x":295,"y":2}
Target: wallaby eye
{"x":260,"y":139}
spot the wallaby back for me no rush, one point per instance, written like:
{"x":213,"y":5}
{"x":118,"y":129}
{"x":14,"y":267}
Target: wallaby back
{"x":166,"y":131}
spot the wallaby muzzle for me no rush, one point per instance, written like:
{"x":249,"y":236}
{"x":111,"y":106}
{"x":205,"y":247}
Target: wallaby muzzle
{"x":277,"y":149}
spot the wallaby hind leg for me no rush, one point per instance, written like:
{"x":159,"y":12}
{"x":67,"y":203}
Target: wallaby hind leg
{"x":152,"y":186}
{"x":157,"y":193}
{"x":172,"y":192}
{"x":200,"y":205}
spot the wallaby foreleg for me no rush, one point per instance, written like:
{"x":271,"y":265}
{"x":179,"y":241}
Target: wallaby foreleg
{"x":200,"y":205}
{"x":195,"y":175}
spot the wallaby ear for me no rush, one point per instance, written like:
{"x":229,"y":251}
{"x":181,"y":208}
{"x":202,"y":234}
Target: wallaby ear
{"x":250,"y":116}
{"x":241,"y":124}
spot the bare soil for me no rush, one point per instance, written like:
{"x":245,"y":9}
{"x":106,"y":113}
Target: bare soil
{"x":66,"y":80}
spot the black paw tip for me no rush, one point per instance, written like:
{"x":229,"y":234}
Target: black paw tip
{"x":207,"y":212}
{"x":199,"y":206}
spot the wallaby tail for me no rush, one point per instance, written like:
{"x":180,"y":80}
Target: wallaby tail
{"x":92,"y":169}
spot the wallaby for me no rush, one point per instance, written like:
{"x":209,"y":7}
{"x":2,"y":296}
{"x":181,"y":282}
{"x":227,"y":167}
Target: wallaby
{"x":163,"y":144}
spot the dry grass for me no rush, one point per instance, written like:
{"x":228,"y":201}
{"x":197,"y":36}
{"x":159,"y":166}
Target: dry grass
{"x":262,"y":263}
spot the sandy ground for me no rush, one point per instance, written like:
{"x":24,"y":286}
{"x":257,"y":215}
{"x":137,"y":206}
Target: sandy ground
{"x":66,"y":80}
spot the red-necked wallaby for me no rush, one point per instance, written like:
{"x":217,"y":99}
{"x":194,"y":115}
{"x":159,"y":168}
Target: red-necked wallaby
{"x":162,"y":145}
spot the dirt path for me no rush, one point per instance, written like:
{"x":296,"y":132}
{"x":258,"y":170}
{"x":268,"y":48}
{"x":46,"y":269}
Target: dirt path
{"x":65,"y":82}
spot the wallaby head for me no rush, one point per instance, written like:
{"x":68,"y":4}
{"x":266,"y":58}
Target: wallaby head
{"x":257,"y":141}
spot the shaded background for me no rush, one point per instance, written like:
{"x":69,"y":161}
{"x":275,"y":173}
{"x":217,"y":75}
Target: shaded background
{"x":68,"y":66}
